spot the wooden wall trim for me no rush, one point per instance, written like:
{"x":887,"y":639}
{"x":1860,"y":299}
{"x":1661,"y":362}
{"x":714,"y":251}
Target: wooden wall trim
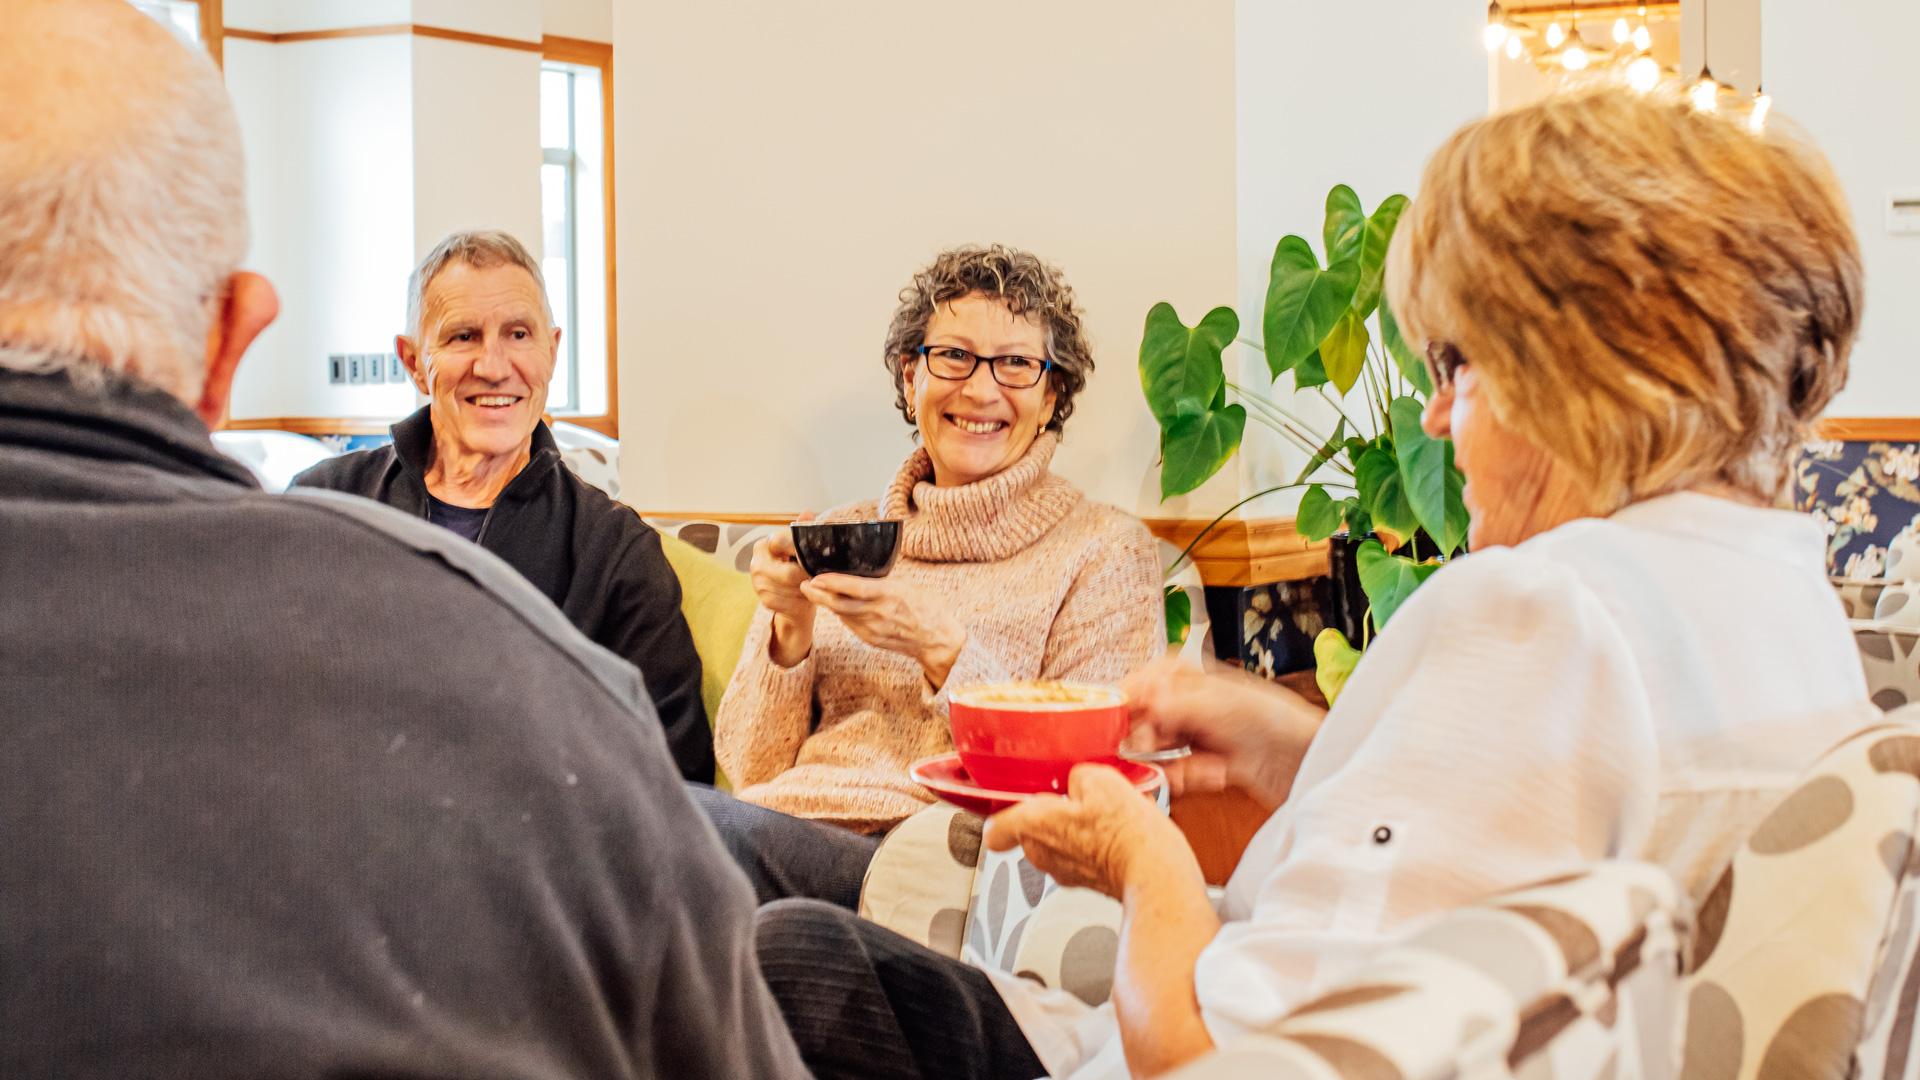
{"x":1239,"y":552}
{"x":415,"y":29}
{"x":212,"y":34}
{"x":566,"y":50}
{"x":312,"y":425}
{"x":1869,"y":428}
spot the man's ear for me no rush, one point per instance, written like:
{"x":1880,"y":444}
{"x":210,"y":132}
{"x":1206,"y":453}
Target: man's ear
{"x":247,"y":305}
{"x":409,"y":354}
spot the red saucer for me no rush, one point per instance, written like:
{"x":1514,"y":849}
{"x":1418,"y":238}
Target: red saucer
{"x":943,"y":775}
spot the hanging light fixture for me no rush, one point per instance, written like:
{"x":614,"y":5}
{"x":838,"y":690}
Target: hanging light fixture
{"x":1514,"y":48}
{"x":1555,"y":34}
{"x":1496,"y":33}
{"x":1642,"y":37}
{"x":1643,"y":74}
{"x":1757,"y":115}
{"x":1575,"y":57}
{"x":1621,"y":31}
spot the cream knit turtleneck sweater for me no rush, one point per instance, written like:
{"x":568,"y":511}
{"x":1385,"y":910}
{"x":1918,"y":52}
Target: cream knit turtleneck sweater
{"x":1048,"y":586}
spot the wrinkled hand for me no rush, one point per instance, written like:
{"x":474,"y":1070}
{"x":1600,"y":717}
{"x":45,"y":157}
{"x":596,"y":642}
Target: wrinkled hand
{"x":890,"y":614}
{"x":1245,"y":732}
{"x":1101,"y":836}
{"x":777,"y":576}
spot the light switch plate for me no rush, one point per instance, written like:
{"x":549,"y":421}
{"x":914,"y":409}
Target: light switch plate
{"x":1903,"y":211}
{"x":337,"y":369}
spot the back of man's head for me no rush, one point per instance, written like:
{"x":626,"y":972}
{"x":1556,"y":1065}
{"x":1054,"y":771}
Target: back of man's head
{"x":122,"y":194}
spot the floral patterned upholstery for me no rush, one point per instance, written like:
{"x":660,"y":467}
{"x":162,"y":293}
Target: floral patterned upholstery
{"x":1803,"y":962}
{"x":1572,"y":979}
{"x":1866,"y":494}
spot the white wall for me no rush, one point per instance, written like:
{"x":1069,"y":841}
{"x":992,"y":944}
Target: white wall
{"x":1336,"y":93}
{"x":1845,"y":73}
{"x":784,"y":168}
{"x":329,"y":141}
{"x":476,"y":141}
{"x":588,"y":19}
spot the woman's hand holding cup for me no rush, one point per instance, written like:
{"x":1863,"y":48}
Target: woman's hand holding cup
{"x":1245,"y":732}
{"x":777,"y":576}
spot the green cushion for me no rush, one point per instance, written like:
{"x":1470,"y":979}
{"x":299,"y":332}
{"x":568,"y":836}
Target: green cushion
{"x":718,"y":603}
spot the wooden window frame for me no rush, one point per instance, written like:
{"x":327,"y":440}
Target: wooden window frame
{"x":599,"y":55}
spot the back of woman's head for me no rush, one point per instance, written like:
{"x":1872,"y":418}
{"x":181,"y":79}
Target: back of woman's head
{"x":1657,"y":296}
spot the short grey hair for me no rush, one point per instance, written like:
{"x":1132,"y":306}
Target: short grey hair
{"x":480,"y":249}
{"x":123,"y":205}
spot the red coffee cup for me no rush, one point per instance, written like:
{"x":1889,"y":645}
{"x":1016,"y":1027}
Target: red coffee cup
{"x":1028,"y":736}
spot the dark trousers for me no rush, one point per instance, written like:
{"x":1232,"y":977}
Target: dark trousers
{"x":862,"y":1001}
{"x":785,"y":856}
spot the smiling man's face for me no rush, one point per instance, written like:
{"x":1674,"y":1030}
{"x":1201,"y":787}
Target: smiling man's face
{"x":484,"y":358}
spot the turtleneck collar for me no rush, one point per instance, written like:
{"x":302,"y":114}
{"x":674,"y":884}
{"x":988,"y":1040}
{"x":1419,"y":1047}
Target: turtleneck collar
{"x":988,"y":519}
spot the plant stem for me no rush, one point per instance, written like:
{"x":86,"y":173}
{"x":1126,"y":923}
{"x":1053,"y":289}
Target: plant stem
{"x":1287,"y":431}
{"x":1329,"y":399}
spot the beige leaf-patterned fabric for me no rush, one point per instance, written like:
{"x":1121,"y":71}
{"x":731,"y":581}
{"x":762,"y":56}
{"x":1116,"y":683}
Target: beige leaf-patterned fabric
{"x":1859,"y":596}
{"x":1802,"y":964}
{"x":1890,"y":656}
{"x":1898,"y":604}
{"x":1573,"y":979}
{"x":920,"y":879}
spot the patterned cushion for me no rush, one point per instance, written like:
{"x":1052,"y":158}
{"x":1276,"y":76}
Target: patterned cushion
{"x":1859,"y":596}
{"x":1572,"y":979}
{"x":1891,"y":657}
{"x":920,"y":878}
{"x":729,"y":544}
{"x":1865,"y":495}
{"x":593,"y":457}
{"x":1807,"y":940}
{"x":1898,"y":604}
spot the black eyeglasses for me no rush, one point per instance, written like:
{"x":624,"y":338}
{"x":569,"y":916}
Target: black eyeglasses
{"x":955,"y":363}
{"x":1443,"y":363}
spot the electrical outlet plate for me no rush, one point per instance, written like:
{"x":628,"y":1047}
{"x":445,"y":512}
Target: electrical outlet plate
{"x":396,"y":371}
{"x":356,"y":369}
{"x":1903,"y":211}
{"x":376,"y":368}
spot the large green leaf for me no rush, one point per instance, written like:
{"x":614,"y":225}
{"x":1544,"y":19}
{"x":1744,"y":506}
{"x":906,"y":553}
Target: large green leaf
{"x":1373,"y":253}
{"x":1377,"y":478}
{"x":1433,"y":485}
{"x":1346,"y":224}
{"x":1310,"y":373}
{"x":1181,"y":370}
{"x":1334,"y":659}
{"x":1388,"y":580}
{"x":1318,"y":516}
{"x":1325,"y":453}
{"x":1303,"y":302}
{"x":1344,"y":351}
{"x":1179,"y":611}
{"x":1194,"y":446}
{"x":1411,"y":364}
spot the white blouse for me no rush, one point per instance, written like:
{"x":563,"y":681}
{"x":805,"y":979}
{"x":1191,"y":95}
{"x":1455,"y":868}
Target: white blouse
{"x":1646,"y":685}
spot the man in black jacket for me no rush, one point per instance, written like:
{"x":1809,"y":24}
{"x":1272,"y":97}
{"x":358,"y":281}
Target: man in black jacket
{"x":235,"y":841}
{"x":479,"y":460}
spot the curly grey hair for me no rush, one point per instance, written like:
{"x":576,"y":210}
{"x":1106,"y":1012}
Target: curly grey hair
{"x":1028,"y":287}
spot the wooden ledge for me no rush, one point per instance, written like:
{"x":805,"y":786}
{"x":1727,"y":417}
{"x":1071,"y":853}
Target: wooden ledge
{"x":1869,"y":428}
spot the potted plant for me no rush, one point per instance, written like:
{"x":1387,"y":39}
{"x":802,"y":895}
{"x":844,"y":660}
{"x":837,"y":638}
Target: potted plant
{"x":1327,"y":326}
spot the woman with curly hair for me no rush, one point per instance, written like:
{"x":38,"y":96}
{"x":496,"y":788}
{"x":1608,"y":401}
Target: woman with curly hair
{"x":1006,"y":571}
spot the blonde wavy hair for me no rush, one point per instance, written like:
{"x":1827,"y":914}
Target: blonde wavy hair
{"x":1027,"y":286}
{"x":1657,"y":297}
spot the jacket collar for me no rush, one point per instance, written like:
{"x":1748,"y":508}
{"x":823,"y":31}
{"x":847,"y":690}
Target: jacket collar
{"x":413,"y":448}
{"x":88,"y":411}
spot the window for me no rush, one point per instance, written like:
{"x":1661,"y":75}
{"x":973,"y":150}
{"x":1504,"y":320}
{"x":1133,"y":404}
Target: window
{"x":197,"y":22}
{"x":575,"y":230}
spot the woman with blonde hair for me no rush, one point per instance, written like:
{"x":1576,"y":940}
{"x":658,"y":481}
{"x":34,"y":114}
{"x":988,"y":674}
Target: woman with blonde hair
{"x":1631,"y":311}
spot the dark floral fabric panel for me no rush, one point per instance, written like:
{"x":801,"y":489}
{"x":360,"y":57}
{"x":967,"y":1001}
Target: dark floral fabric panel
{"x":1864,"y":494}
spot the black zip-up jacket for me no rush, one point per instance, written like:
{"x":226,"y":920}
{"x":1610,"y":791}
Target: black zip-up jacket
{"x":296,"y":786}
{"x":594,"y":558}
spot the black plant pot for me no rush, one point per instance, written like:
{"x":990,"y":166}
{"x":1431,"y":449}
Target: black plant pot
{"x":1346,"y":600}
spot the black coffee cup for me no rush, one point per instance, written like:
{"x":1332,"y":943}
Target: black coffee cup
{"x":861,"y":548}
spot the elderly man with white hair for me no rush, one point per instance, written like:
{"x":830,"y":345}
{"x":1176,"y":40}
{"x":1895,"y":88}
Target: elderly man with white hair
{"x":479,"y":460}
{"x":234,"y":842}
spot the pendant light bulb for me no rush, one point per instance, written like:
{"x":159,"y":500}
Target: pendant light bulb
{"x":1555,"y":34}
{"x":1621,"y":31}
{"x":1642,"y":38}
{"x":1513,"y":46}
{"x":1575,"y":58}
{"x":1705,"y":93}
{"x":1494,"y":36}
{"x":1762,"y":105}
{"x":1643,"y":74}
